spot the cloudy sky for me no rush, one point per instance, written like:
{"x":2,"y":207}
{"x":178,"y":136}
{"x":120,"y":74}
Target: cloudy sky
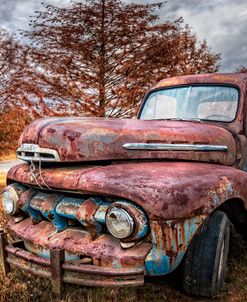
{"x":223,"y":23}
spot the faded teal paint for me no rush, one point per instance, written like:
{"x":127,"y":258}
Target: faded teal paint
{"x":48,"y":210}
{"x":45,"y":253}
{"x":100,"y":214}
{"x":59,"y":222}
{"x":216,"y":200}
{"x":68,"y":207}
{"x":89,"y":212}
{"x":35,"y":215}
{"x":157,"y":263}
{"x":170,"y":241}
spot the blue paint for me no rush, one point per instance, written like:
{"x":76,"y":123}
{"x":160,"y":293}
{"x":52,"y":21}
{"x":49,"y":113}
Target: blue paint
{"x":100,"y":214}
{"x":144,"y":224}
{"x":157,"y":262}
{"x":59,"y":222}
{"x":73,"y":204}
{"x":167,"y":253}
{"x":61,"y":208}
{"x":116,"y":263}
{"x":216,"y":200}
{"x":35,"y":215}
{"x":45,"y":253}
{"x":230,"y":188}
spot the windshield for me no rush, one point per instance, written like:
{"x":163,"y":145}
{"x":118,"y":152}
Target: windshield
{"x":213,"y":103}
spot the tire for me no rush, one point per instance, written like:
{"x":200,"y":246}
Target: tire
{"x":206,"y":257}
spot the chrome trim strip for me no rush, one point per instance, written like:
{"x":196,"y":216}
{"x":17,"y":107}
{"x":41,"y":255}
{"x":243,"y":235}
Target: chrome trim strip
{"x":37,"y":151}
{"x":173,"y":147}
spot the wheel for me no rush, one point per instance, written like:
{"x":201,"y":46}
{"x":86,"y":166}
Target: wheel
{"x":206,"y":257}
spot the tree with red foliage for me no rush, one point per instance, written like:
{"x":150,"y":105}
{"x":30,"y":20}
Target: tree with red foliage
{"x":242,"y":69}
{"x":11,"y":62}
{"x":17,"y":84}
{"x":100,"y":56}
{"x":12,"y":122}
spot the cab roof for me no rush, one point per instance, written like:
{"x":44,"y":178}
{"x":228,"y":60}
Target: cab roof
{"x":217,"y":78}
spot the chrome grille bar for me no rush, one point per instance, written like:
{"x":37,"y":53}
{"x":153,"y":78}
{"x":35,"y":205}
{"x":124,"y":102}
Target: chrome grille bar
{"x":32,"y":152}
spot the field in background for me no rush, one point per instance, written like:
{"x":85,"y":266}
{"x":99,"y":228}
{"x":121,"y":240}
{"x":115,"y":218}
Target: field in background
{"x":5,"y":158}
{"x":20,"y":286}
{"x":11,"y":156}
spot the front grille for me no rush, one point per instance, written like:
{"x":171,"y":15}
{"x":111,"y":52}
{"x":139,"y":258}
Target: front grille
{"x":32,"y":152}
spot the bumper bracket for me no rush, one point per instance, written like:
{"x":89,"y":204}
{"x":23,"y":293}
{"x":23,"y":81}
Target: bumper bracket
{"x":58,"y":270}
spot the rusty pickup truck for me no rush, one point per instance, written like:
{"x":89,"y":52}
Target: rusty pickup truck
{"x":106,"y":202}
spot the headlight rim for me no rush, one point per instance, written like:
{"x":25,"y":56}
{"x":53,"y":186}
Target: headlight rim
{"x":15,"y":200}
{"x":132,"y":220}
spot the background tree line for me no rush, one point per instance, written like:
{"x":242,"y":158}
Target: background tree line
{"x":95,"y":58}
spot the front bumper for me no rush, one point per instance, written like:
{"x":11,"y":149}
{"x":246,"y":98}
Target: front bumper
{"x":111,"y":265}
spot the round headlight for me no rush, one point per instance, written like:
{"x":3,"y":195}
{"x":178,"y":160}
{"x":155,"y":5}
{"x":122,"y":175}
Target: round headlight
{"x":9,"y":200}
{"x":119,"y":222}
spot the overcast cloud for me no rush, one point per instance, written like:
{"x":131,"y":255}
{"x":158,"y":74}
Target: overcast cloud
{"x":223,"y":23}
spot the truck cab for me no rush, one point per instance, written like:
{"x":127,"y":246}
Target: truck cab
{"x":106,"y":202}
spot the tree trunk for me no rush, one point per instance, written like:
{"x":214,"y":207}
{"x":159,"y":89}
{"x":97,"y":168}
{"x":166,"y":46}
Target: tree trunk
{"x":102,"y":95}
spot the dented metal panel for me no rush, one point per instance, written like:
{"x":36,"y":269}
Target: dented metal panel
{"x":104,"y":250}
{"x":169,"y":175}
{"x":80,"y":140}
{"x":46,"y":205}
{"x":59,"y":270}
{"x":170,"y":240}
{"x":165,"y":190}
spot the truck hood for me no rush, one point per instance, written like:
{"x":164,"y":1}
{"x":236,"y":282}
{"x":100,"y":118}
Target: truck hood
{"x":99,"y":139}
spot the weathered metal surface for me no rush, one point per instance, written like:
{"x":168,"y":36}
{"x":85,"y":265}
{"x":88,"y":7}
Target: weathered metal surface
{"x":165,"y":190}
{"x":176,"y":195}
{"x":44,"y":252}
{"x":104,"y":250}
{"x":68,"y":207}
{"x":223,"y":78}
{"x":57,"y":208}
{"x":85,"y":216}
{"x":3,"y":255}
{"x":103,"y":139}
{"x":24,"y":204}
{"x":170,"y":240}
{"x":85,"y":139}
{"x":57,"y":260}
{"x":100,"y":214}
{"x":87,"y":275}
{"x":141,"y":220}
{"x":46,"y":205}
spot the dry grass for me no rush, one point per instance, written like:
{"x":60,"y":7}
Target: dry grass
{"x":20,"y":286}
{"x":10,"y":156}
{"x":2,"y":179}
